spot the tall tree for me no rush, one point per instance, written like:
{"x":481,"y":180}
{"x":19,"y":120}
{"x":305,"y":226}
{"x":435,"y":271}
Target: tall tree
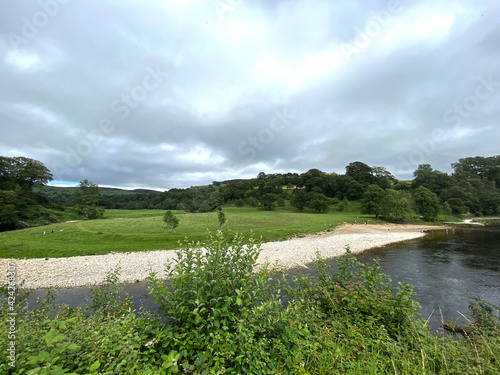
{"x":397,"y":205}
{"x":361,"y":172}
{"x":171,"y":220}
{"x":8,"y":210}
{"x":268,"y":201}
{"x":23,"y":172}
{"x":373,"y":200}
{"x":86,"y":199}
{"x":299,"y":199}
{"x":426,"y":203}
{"x":313,"y":178}
{"x":222,"y":219}
{"x":431,"y":179}
{"x":483,"y":167}
{"x":317,"y":201}
{"x":382,"y":177}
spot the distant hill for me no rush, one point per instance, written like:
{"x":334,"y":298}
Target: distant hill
{"x":60,"y":195}
{"x":117,"y":191}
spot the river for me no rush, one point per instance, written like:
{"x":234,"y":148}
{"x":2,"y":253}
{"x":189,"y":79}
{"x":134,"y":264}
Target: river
{"x":443,"y":267}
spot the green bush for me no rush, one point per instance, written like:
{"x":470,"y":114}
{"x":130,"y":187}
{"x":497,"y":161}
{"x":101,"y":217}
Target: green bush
{"x":358,"y":293}
{"x":220,"y":314}
{"x":106,"y":297}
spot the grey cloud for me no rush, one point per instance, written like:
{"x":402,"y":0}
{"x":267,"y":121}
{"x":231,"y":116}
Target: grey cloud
{"x":212,"y":116}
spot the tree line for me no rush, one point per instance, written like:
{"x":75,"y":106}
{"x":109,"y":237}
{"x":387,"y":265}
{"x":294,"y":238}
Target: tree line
{"x":472,"y":187}
{"x":21,"y":207}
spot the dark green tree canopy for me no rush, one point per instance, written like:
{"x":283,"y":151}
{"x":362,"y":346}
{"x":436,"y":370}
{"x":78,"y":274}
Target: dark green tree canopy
{"x":86,"y":198}
{"x":299,"y":199}
{"x":431,"y":179}
{"x":361,"y":172}
{"x":317,"y":201}
{"x":426,"y":203}
{"x":171,"y":220}
{"x":397,"y":205}
{"x":373,"y":200}
{"x":23,"y":172}
{"x":479,"y":166}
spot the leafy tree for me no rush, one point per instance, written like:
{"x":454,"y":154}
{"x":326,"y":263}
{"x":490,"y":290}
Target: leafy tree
{"x":332,"y":185}
{"x":317,"y":201}
{"x":402,"y":185}
{"x":9,"y":214}
{"x":373,"y":200}
{"x":171,"y":220}
{"x":431,"y":179}
{"x":86,"y":199}
{"x":457,"y":205}
{"x":483,"y":167}
{"x":268,"y":201}
{"x":299,"y":199}
{"x":353,"y":189}
{"x":291,"y":178}
{"x":252,"y":202}
{"x":343,"y":204}
{"x":426,"y":203}
{"x":397,"y":205}
{"x":486,"y":195}
{"x":281,"y":202}
{"x":334,"y":201}
{"x":361,"y":172}
{"x":313,"y":178}
{"x":382,"y":177}
{"x":460,"y":199}
{"x":23,"y":172}
{"x":181,"y":206}
{"x":446,"y":208}
{"x":222,"y":219}
{"x":239,"y":203}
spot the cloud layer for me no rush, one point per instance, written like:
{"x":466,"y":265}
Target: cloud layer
{"x":178,"y":93}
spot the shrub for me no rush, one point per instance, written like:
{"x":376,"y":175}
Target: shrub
{"x":171,"y":220}
{"x":106,"y":297}
{"x":359,"y":293}
{"x":252,"y":202}
{"x":220,"y":314}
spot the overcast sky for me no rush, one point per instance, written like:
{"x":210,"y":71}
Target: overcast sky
{"x":178,"y":93}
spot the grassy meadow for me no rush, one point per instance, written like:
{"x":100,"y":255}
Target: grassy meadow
{"x":140,"y":230}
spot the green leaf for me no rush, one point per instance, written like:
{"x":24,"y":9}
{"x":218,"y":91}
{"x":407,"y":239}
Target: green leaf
{"x":95,"y":365}
{"x":53,"y":336}
{"x":239,"y":302}
{"x":73,"y":346}
{"x":57,"y":371}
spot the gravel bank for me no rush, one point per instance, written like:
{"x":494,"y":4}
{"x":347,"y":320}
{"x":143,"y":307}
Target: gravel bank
{"x":136,"y":266}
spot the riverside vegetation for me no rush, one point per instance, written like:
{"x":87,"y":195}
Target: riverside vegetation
{"x":217,"y":315}
{"x":473,"y":188}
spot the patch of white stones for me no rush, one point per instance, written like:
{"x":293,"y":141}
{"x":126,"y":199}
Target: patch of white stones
{"x":136,"y":266}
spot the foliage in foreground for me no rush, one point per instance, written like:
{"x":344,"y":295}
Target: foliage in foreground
{"x":218,"y":315}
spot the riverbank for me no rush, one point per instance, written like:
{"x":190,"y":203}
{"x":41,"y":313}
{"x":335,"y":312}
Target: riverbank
{"x":136,"y":266}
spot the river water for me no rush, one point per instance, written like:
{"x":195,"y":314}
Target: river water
{"x":444,"y":268}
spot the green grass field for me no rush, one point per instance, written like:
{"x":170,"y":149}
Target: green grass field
{"x":139,"y":230}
